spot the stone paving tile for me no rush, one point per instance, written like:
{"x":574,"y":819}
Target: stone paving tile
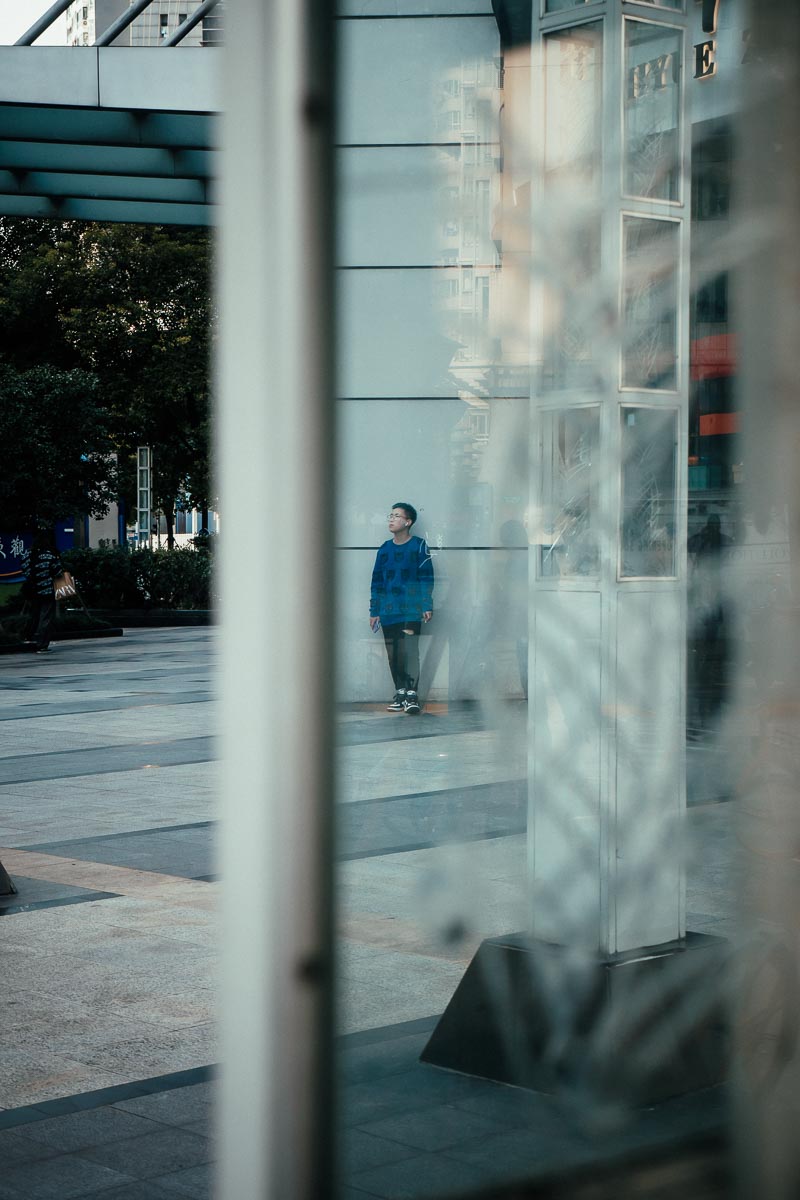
{"x":63,"y":1177}
{"x":360,"y":1151}
{"x":16,"y":1147}
{"x":165,"y":1051}
{"x":153,"y":1154}
{"x":423,"y":1087}
{"x":359,"y":1064}
{"x":144,"y":960}
{"x":80,"y":1130}
{"x":433,"y":1129}
{"x":523,"y":1152}
{"x":140,"y":1189}
{"x":197,"y":1182}
{"x":30,"y":1080}
{"x":175,"y":852}
{"x":423,"y":1176}
{"x":177,"y":1107}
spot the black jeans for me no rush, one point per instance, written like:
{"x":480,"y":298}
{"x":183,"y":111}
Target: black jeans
{"x":402,"y":648}
{"x":42,"y":618}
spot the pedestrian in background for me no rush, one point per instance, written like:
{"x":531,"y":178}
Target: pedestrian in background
{"x":41,"y":565}
{"x":401,"y":600}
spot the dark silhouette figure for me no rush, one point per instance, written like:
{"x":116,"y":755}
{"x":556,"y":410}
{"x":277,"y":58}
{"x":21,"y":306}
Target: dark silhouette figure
{"x":41,"y":565}
{"x":710,"y":636}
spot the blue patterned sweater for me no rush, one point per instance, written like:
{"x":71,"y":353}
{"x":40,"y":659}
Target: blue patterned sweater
{"x":402,"y":582}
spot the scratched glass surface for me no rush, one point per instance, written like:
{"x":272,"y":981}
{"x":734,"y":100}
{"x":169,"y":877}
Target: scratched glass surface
{"x":573,"y":82}
{"x":528,"y":379}
{"x":652,"y":109}
{"x":649,"y":514}
{"x":570,"y":543}
{"x":434,"y":413}
{"x":650,"y":304}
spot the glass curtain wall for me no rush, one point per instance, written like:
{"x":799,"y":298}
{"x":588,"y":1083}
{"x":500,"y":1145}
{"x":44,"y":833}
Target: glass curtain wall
{"x":431,"y":417}
{"x":544,"y":510}
{"x":533,"y":397}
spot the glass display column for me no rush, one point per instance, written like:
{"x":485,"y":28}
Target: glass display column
{"x":609,"y":315}
{"x":606,"y":982}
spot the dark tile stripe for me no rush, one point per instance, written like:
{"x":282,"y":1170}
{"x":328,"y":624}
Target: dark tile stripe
{"x":44,"y":847}
{"x":381,"y":851}
{"x":121,"y":703}
{"x":510,"y":791}
{"x":424,"y":820}
{"x":13,"y":1117}
{"x":387,"y":1033}
{"x":7,"y":910}
{"x":105,"y":760}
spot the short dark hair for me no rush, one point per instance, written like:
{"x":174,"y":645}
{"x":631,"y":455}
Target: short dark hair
{"x":408,"y":509}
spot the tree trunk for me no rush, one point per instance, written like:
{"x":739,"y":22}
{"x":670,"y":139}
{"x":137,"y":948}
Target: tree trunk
{"x":169,"y":517}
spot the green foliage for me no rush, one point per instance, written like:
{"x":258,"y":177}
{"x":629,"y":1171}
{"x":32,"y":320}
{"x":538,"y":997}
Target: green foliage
{"x":55,"y":446}
{"x":115,"y":578}
{"x":132,"y":305}
{"x":105,"y":577}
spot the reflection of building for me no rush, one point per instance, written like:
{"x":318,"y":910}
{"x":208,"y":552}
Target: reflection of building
{"x":87,"y":19}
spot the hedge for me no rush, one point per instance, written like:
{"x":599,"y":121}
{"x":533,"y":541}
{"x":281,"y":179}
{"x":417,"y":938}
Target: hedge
{"x":114,"y":578}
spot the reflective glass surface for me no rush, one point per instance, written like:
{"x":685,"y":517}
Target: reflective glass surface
{"x":650,"y":298}
{"x":648,"y":492}
{"x":552,"y":6}
{"x":573,"y":81}
{"x":570,"y":545}
{"x":652,"y":112}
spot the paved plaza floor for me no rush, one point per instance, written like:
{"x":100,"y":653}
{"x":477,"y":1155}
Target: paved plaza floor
{"x":108,"y":811}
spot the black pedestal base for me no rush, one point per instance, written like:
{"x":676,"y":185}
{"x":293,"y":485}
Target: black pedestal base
{"x":637,"y":1027}
{"x":7,"y":887}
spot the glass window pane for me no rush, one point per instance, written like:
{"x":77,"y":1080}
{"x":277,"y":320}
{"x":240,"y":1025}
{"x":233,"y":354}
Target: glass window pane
{"x":649,"y":445}
{"x":650,"y":297}
{"x":569,"y":501}
{"x":573,"y":105}
{"x":573,"y":144}
{"x":559,"y":5}
{"x":652,"y":111}
{"x":676,"y":5}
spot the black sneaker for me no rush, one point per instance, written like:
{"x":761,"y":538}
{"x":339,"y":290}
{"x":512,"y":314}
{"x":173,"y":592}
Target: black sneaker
{"x":412,"y":703}
{"x":398,"y":704}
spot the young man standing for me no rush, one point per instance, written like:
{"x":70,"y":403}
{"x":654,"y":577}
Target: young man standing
{"x":401,"y":599}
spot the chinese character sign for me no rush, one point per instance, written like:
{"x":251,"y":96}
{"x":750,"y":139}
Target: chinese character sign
{"x":12,"y":548}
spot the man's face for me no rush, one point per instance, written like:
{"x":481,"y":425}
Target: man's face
{"x":398,"y":521}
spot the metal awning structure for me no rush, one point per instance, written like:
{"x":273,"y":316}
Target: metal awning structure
{"x":108,"y":133}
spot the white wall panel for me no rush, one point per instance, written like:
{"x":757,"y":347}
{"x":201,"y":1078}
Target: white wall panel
{"x":396,"y":71}
{"x":393,"y":206}
{"x":474,"y":652}
{"x":408,"y":8}
{"x":565,"y":818}
{"x":391,"y":337}
{"x":414,"y":450}
{"x":650,"y":747}
{"x":48,"y":75}
{"x":140,"y":77}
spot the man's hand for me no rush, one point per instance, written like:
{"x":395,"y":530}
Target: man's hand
{"x":426,"y":617}
{"x":374,"y":623}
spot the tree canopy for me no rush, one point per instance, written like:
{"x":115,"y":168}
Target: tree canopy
{"x":130,"y":307}
{"x":55,"y":449}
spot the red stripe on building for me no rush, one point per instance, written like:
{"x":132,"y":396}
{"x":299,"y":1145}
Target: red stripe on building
{"x":714,"y":357}
{"x":714,"y":423}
